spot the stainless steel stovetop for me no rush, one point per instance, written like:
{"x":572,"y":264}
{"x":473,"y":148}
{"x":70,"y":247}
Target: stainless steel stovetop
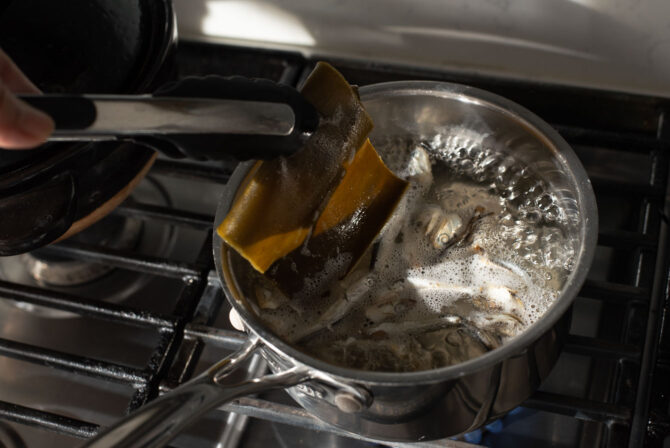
{"x":150,"y":313}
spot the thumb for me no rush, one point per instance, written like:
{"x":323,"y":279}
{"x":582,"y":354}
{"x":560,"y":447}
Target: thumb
{"x":21,"y":126}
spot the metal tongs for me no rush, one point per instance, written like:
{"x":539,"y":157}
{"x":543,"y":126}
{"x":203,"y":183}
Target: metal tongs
{"x":209,"y":118}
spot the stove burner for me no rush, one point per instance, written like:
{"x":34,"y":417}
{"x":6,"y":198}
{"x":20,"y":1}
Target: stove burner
{"x":113,"y":231}
{"x":89,"y":279}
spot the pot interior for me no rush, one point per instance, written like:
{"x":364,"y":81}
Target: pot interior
{"x":497,"y":144}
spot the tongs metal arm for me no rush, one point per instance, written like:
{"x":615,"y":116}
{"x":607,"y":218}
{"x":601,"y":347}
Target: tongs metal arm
{"x":105,"y":117}
{"x":201,"y":118}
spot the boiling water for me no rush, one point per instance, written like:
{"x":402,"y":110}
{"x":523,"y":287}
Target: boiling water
{"x":476,"y":252}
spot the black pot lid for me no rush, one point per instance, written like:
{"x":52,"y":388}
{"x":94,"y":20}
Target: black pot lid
{"x":78,"y":46}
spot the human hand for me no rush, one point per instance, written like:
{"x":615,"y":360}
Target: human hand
{"x":21,"y":126}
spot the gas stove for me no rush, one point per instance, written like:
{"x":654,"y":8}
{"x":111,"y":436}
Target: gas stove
{"x":94,"y":327}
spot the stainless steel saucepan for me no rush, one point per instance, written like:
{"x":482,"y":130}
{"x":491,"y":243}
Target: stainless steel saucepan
{"x":409,"y":406}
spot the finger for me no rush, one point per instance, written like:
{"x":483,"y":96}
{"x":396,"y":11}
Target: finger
{"x":13,"y":77}
{"x":21,"y":126}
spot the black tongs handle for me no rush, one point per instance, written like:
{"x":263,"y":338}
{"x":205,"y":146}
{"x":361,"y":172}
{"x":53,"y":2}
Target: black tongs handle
{"x":207,"y":118}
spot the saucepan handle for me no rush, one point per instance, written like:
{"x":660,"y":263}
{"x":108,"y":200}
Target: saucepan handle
{"x":155,"y":424}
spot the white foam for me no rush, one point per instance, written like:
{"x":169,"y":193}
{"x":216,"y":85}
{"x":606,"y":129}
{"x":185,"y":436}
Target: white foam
{"x":512,"y":264}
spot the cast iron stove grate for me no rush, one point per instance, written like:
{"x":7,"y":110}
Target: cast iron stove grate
{"x":609,"y":387}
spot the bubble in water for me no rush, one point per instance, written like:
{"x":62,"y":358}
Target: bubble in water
{"x":533,"y":215}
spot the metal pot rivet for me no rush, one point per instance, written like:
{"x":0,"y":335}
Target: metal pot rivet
{"x":235,"y":320}
{"x":348,"y":403}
